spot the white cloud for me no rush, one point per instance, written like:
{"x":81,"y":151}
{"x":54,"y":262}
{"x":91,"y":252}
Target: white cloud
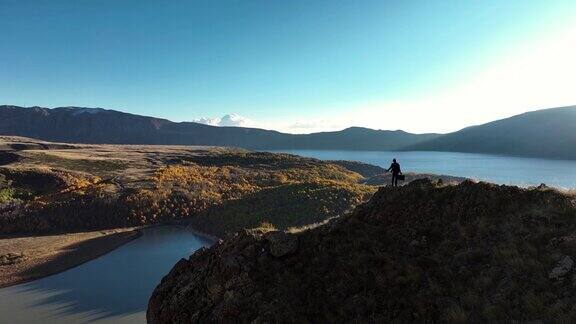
{"x":234,"y":120}
{"x":207,"y":121}
{"x":227,"y":120}
{"x":312,"y":125}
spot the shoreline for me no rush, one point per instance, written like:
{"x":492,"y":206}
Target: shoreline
{"x":51,"y":254}
{"x":204,"y":235}
{"x":79,"y":248}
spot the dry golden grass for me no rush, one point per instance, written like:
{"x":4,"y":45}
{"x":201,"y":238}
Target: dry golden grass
{"x":65,"y":187}
{"x":133,"y":165}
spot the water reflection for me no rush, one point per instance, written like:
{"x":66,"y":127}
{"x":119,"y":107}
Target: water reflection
{"x":114,"y":287}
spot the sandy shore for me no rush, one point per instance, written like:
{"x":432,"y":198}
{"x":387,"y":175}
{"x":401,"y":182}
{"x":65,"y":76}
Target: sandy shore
{"x":27,"y":258}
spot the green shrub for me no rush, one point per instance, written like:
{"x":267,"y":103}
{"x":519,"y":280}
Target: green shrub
{"x":6,"y":195}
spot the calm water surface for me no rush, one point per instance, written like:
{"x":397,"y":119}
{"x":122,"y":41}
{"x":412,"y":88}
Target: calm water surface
{"x":509,"y":170}
{"x":114,"y":288}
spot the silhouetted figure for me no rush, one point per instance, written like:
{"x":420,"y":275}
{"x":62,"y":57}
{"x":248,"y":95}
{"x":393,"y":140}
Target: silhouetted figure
{"x":395,"y":168}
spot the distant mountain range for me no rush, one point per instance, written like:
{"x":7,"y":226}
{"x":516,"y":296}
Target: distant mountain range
{"x":101,"y":126}
{"x":543,"y":133}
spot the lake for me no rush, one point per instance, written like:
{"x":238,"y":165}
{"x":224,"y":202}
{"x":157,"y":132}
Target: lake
{"x":498,"y":169}
{"x":114,"y":288}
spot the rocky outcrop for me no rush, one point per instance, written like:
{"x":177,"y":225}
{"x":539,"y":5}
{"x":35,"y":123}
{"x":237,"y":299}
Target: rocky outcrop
{"x":564,"y":266}
{"x":386,"y":178}
{"x":281,"y":244}
{"x":219,"y":280}
{"x":473,"y":252}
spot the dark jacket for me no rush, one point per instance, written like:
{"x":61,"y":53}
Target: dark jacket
{"x":395,"y":168}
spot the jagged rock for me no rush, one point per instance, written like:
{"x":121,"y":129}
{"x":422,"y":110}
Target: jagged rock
{"x":281,"y":243}
{"x":562,"y":268}
{"x":479,"y":252}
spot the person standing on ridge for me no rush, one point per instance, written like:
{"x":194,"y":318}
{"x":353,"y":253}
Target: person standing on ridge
{"x":395,"y":168}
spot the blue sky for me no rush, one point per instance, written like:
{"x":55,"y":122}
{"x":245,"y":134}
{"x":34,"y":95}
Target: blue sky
{"x":296,"y":66}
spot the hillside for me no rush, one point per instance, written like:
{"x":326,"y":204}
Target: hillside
{"x":53,"y":188}
{"x":50,"y":187}
{"x":86,"y":199}
{"x":548,"y":133}
{"x":101,"y":126}
{"x":422,"y":252}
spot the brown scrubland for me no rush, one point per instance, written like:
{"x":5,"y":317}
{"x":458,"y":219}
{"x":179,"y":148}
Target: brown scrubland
{"x":55,"y":188}
{"x":56,"y":199}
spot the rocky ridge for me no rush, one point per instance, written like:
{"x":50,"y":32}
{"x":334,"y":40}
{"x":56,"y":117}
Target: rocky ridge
{"x":472,"y":252}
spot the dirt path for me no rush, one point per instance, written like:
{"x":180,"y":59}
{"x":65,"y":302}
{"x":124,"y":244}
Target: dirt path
{"x":27,"y":258}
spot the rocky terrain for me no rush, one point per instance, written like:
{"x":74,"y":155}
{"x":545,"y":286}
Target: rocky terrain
{"x":382,"y":179}
{"x":473,"y":252}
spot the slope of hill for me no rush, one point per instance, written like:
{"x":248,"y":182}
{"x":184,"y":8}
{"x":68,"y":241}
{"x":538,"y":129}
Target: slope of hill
{"x":85,"y":199}
{"x":48,"y":188}
{"x":353,"y":139}
{"x":100,"y":126}
{"x":419,"y":253}
{"x":542,"y":133}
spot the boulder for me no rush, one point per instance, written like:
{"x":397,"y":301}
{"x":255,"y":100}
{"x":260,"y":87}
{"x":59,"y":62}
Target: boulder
{"x":562,"y":268}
